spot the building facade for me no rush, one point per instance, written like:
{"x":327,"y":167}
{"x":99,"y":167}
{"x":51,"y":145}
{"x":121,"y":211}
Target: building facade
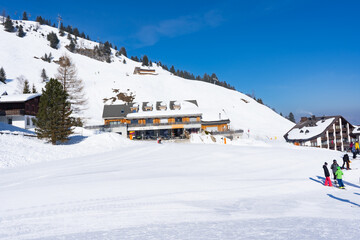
{"x":19,"y":110}
{"x":149,"y":120}
{"x":331,"y":132}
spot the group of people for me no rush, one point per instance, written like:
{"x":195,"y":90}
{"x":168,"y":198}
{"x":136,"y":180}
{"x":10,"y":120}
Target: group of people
{"x":354,"y":147}
{"x":337,"y":173}
{"x":336,"y":169}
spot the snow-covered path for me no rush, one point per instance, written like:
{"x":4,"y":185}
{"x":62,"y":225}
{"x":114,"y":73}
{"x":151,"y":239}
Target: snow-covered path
{"x":179,"y":191}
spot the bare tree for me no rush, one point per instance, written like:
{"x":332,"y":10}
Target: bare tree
{"x":74,"y":86}
{"x":21,"y":82}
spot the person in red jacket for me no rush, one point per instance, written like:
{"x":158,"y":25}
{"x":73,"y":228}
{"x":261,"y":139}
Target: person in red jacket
{"x":327,"y":175}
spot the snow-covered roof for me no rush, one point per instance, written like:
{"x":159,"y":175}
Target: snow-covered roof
{"x":308,"y":132}
{"x":356,"y":130}
{"x":18,"y":97}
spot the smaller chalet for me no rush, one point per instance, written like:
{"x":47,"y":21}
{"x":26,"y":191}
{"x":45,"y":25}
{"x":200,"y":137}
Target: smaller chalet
{"x":331,"y":132}
{"x":19,"y":110}
{"x":144,"y":71}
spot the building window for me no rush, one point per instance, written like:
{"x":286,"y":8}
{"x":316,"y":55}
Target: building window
{"x":134,"y":121}
{"x":28,"y":121}
{"x":178,"y":119}
{"x":10,"y":121}
{"x":193,"y":119}
{"x":149,"y":120}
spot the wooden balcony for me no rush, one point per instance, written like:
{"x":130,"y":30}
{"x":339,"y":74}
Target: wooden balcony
{"x":12,"y":112}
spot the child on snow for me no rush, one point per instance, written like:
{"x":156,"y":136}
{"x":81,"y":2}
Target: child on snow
{"x":346,"y":160}
{"x":327,"y":175}
{"x":334,"y":167}
{"x":339,"y":175}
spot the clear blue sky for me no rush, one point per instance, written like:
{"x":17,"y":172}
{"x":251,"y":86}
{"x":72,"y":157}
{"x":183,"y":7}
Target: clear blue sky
{"x":298,"y":56}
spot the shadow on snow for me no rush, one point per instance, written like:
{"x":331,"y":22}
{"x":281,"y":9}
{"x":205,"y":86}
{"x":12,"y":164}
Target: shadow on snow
{"x":343,"y":200}
{"x":345,"y":182}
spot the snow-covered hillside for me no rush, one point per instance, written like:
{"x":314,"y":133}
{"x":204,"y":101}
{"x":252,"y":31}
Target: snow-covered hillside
{"x":21,"y":56}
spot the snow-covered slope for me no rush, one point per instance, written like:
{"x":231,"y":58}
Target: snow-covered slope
{"x":21,"y":56}
{"x":107,"y":187}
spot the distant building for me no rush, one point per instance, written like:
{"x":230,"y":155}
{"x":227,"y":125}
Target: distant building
{"x":19,"y":110}
{"x":173,"y":119}
{"x":331,"y":132}
{"x":144,"y":71}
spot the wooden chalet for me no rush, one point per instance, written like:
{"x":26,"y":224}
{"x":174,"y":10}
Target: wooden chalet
{"x":144,"y":71}
{"x":19,"y":110}
{"x":331,"y":132}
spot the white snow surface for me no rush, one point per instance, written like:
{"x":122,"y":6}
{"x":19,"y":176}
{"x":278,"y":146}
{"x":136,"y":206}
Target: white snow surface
{"x":21,"y":56}
{"x":310,"y":132}
{"x":101,"y":186}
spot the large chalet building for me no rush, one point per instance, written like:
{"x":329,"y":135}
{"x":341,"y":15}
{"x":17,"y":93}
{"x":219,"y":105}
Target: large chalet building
{"x":331,"y":132}
{"x":19,"y":110}
{"x":161,"y":119}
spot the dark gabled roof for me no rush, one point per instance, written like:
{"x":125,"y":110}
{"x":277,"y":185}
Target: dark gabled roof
{"x":193,"y":101}
{"x":217,"y":122}
{"x":116,"y":111}
{"x":311,"y":122}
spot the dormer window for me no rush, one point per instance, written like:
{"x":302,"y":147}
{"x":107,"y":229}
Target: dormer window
{"x":177,"y":106}
{"x":148,"y":107}
{"x":307,"y":131}
{"x":301,"y":131}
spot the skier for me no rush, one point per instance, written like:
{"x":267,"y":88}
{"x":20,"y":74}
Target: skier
{"x":334,"y":167}
{"x":327,"y":175}
{"x":357,"y":148}
{"x":346,"y":161}
{"x":339,"y":175}
{"x":159,"y":140}
{"x":353,"y":150}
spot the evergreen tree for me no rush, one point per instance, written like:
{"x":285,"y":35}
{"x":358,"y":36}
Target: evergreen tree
{"x":165,"y":67}
{"x":53,"y":121}
{"x":71,"y":46}
{"x":150,"y":63}
{"x":124,"y":61}
{"x":34,"y":89}
{"x":172,"y":69}
{"x":291,"y":117}
{"x":44,"y":76}
{"x":145,"y":61}
{"x":26,"y":88}
{"x":2,"y":75}
{"x":25,"y":17}
{"x":123,"y":51}
{"x":76,"y":32}
{"x":9,"y":27}
{"x":61,"y":32}
{"x":53,"y":39}
{"x":21,"y":32}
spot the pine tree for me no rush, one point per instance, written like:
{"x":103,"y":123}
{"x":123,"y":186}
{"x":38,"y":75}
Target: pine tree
{"x":71,"y":46}
{"x":25,"y":17}
{"x":172,"y":69}
{"x":291,"y":117}
{"x":2,"y":75}
{"x":123,"y":51}
{"x":145,"y":61}
{"x":8,"y":25}
{"x":53,"y":121}
{"x":21,"y":32}
{"x":53,"y":39}
{"x":124,"y":61}
{"x":67,"y":75}
{"x":34,"y":89}
{"x":26,"y":88}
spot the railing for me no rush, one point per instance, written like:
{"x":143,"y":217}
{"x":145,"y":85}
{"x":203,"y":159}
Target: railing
{"x":161,"y":124}
{"x":228,"y":132}
{"x":15,"y":112}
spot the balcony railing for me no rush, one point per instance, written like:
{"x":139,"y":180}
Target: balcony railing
{"x":12,"y":112}
{"x":160,"y":124}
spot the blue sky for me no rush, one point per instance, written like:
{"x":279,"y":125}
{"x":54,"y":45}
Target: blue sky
{"x":297,"y":56}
